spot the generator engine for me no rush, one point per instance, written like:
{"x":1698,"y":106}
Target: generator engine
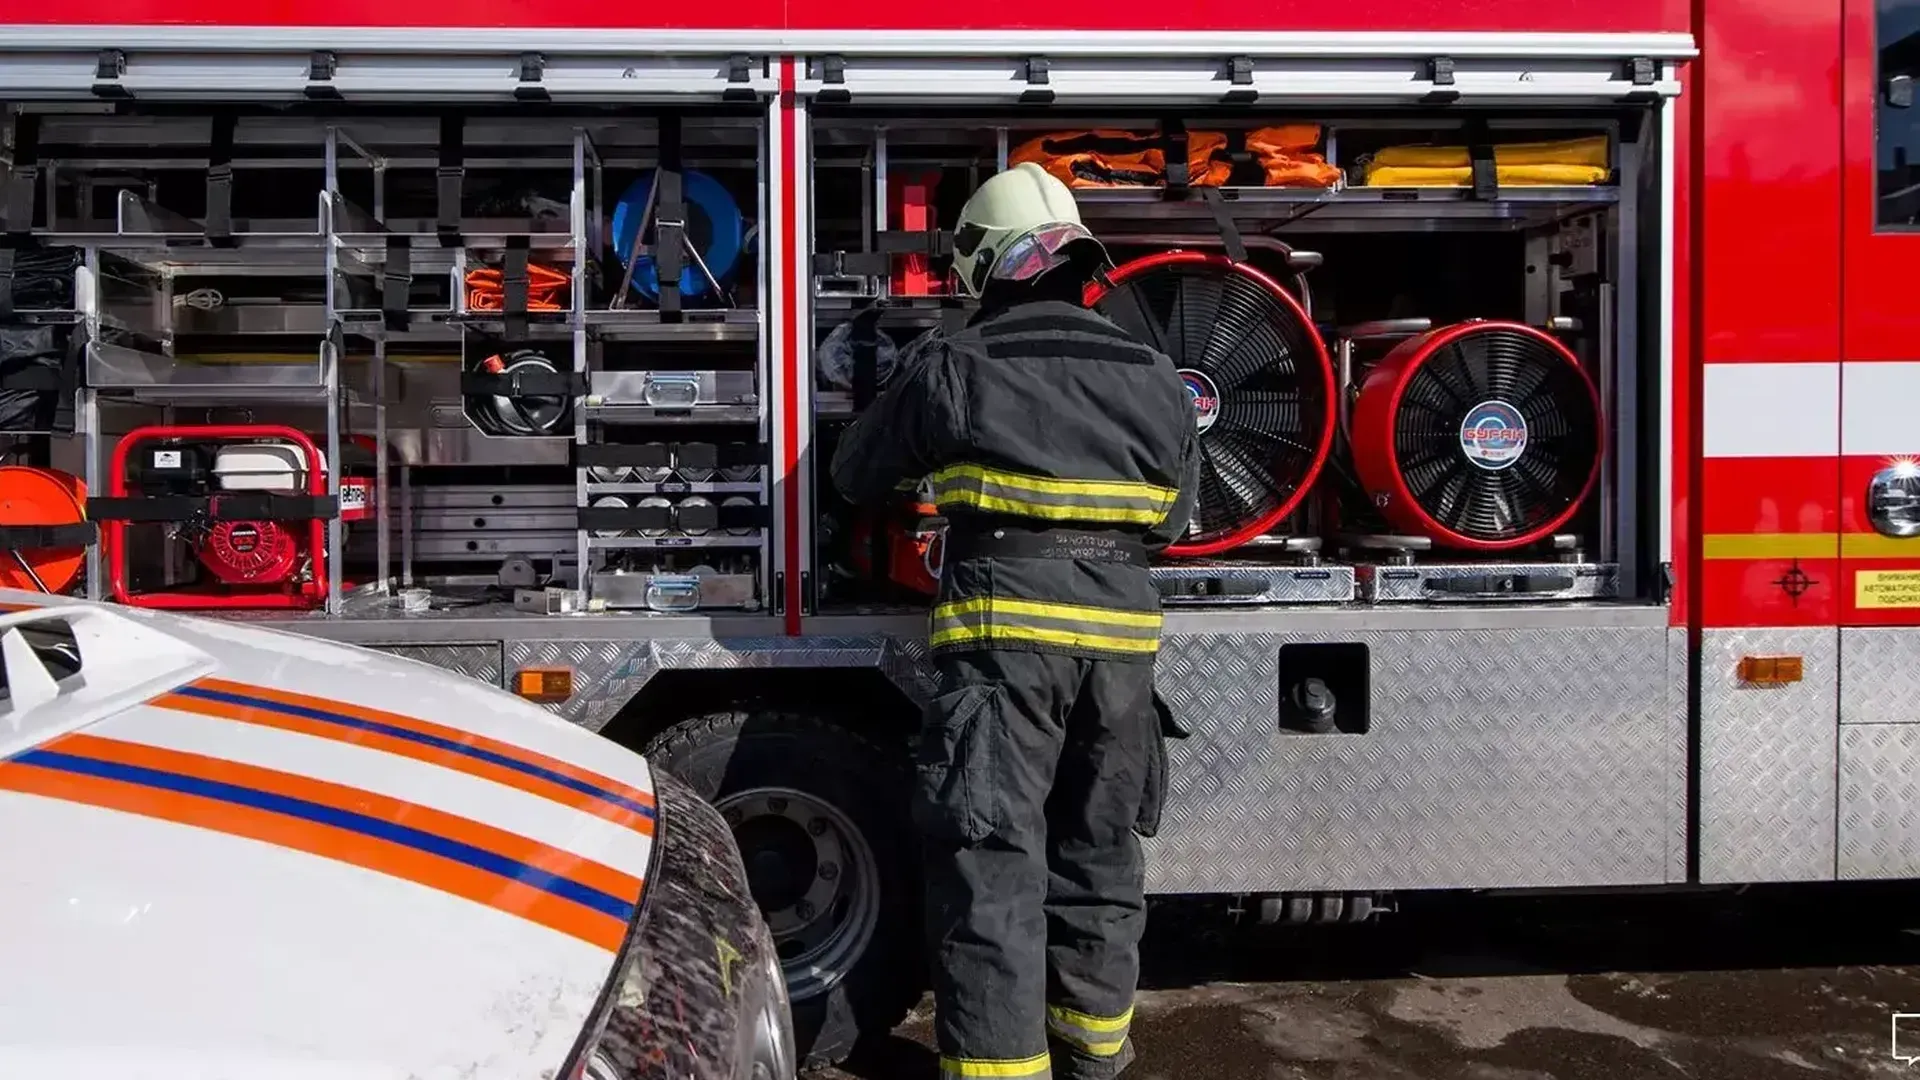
{"x":244,"y":501}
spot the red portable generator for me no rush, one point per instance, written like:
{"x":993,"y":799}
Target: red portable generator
{"x":248,"y":502}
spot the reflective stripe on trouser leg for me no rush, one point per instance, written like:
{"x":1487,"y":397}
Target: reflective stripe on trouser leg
{"x":1102,"y":502}
{"x":1101,"y":1036}
{"x":998,"y":620}
{"x":1025,"y":1068}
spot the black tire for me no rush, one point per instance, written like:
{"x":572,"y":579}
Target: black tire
{"x":727,"y":757}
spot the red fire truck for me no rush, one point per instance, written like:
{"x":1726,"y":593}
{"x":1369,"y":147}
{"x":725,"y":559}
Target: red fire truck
{"x":1561,"y":516}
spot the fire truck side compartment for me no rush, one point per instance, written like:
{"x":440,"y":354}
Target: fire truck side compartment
{"x":1491,"y":744}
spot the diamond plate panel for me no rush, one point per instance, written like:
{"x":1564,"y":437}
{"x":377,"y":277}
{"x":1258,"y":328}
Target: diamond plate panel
{"x":480,"y":662}
{"x":1767,"y":759}
{"x":1880,"y":801}
{"x":1495,"y":758}
{"x":1880,"y":675}
{"x":607,"y":674}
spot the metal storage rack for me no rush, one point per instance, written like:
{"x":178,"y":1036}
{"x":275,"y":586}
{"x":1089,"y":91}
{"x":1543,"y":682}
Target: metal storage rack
{"x":376,"y":286}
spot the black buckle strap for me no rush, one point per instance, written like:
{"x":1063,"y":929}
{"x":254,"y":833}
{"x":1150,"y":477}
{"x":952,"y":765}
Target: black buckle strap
{"x":67,"y":384}
{"x":1005,"y":542}
{"x":1173,"y":137}
{"x":669,"y":219}
{"x":513,"y":287}
{"x":878,"y":261}
{"x":523,"y":384}
{"x":451,"y":178}
{"x":219,"y":220}
{"x":76,"y":534}
{"x":1486,"y":176}
{"x":236,"y":507}
{"x":679,"y":516}
{"x":396,"y":282}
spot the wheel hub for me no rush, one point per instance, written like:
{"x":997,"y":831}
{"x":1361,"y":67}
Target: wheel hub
{"x":815,"y":879}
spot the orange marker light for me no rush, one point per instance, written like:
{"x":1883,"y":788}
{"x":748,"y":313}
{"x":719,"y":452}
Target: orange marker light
{"x":545,"y":685}
{"x":1770,"y":670}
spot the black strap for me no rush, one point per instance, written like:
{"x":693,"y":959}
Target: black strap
{"x":678,"y":516}
{"x":1246,"y":168}
{"x":238,"y":507}
{"x":1011,"y":543}
{"x":513,"y":287}
{"x":451,"y":178}
{"x":16,"y":209}
{"x":670,"y":219}
{"x":396,"y":282}
{"x":219,"y":228}
{"x":67,"y":385}
{"x":43,"y":537}
{"x":1230,"y":240}
{"x":865,"y":339}
{"x":6,"y":276}
{"x":522,"y":384}
{"x":1486,"y":177}
{"x":1173,"y":134}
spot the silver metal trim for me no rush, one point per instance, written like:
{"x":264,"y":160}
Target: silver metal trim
{"x":1662,"y":45}
{"x":1667,"y":449}
{"x":933,"y":73}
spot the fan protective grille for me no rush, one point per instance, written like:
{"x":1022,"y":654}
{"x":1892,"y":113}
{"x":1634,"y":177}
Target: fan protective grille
{"x":1495,"y":430}
{"x":1259,"y":376}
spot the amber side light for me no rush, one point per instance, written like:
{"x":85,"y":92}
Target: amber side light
{"x":1770,"y":670}
{"x":546,"y":685}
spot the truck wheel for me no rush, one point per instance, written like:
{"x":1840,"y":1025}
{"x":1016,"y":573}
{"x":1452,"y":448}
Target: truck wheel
{"x":820,"y":817}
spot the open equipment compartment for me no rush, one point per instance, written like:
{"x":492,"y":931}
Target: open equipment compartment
{"x":1426,"y":375}
{"x":524,"y":335}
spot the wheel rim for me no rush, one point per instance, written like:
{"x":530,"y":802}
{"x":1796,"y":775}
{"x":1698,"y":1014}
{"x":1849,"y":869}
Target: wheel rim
{"x":815,"y":879}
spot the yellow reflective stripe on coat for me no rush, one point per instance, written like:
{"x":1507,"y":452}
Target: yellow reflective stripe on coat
{"x":1037,"y":1067}
{"x":1101,"y":1036}
{"x":987,"y":620}
{"x":997,"y":491}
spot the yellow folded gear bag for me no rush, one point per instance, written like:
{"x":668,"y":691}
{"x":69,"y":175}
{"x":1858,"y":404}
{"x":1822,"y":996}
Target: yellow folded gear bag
{"x":1590,"y":152}
{"x":1505,"y":175}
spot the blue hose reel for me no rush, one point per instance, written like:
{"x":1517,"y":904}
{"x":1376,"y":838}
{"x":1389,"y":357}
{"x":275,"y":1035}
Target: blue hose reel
{"x":715,"y":227}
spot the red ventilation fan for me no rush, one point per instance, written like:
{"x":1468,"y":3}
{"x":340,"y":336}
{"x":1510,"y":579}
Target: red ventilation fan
{"x":1258,"y":374}
{"x":1483,"y":436}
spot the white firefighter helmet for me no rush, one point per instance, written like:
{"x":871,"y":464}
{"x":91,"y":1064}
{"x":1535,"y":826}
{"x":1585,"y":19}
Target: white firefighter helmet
{"x":1018,"y":225}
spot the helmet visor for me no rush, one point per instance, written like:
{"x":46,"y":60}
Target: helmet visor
{"x":1041,"y":250}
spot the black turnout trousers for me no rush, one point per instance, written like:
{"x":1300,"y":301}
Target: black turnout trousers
{"x":1035,"y":770}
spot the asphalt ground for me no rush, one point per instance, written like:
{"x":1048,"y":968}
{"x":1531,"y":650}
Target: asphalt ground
{"x":1786,"y":983}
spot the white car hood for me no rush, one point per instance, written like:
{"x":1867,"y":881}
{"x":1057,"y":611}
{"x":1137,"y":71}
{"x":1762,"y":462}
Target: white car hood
{"x":307,"y":861}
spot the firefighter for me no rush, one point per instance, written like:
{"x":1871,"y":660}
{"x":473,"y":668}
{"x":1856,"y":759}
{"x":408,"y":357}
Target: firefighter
{"x":1062,"y":452}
